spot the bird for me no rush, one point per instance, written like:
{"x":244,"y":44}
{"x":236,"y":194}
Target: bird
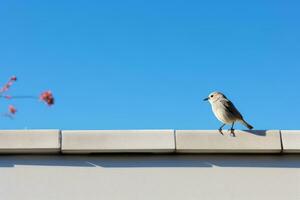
{"x":225,"y":111}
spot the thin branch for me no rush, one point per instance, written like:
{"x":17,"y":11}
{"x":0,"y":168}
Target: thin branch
{"x":19,"y":97}
{"x":24,"y":97}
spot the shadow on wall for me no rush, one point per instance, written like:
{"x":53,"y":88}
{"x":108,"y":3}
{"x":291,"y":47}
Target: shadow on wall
{"x":153,"y":161}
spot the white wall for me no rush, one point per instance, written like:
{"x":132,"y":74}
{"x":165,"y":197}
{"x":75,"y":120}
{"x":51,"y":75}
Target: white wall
{"x":143,"y":177}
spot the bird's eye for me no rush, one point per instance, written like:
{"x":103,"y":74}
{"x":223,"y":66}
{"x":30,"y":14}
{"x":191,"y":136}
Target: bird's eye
{"x":211,"y":96}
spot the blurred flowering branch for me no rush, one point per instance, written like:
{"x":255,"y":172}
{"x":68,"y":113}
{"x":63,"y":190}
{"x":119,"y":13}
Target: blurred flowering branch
{"x":46,"y":97}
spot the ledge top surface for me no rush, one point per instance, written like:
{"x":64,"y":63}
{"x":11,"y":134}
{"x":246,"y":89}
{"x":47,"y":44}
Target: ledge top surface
{"x":149,"y":141}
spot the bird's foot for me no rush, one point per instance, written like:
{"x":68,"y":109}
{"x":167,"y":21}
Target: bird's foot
{"x":220,"y":131}
{"x":232,"y":132}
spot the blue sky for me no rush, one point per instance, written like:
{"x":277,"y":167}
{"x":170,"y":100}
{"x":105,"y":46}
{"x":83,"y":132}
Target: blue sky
{"x":148,"y":64}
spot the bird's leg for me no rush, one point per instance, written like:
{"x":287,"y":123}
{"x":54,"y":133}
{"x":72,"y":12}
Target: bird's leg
{"x":232,"y":130}
{"x":220,"y":129}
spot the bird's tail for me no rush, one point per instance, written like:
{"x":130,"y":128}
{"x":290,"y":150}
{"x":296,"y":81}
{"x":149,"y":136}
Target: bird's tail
{"x":247,"y":125}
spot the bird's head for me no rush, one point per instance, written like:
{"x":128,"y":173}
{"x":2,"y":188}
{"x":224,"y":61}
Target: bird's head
{"x":215,"y":96}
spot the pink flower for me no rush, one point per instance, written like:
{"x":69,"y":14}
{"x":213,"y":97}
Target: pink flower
{"x":8,"y":84}
{"x":12,"y":110}
{"x":13,"y":78}
{"x":47,"y":97}
{"x":7,"y":97}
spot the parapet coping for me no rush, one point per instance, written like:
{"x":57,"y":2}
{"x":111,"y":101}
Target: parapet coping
{"x":149,"y":142}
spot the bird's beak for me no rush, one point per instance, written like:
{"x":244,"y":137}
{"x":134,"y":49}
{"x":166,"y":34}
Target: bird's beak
{"x":206,"y":99}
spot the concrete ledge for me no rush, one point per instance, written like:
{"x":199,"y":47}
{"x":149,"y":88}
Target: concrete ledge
{"x":211,"y":141}
{"x":29,"y":141}
{"x":290,"y":141}
{"x":118,"y":141}
{"x":148,"y":141}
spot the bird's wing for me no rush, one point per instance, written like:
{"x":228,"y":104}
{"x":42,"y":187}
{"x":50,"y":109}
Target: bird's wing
{"x":231,"y":108}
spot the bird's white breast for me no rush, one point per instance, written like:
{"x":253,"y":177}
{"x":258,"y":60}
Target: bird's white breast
{"x":221,"y":113}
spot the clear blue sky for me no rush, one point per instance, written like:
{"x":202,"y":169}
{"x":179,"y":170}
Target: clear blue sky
{"x":148,"y":64}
